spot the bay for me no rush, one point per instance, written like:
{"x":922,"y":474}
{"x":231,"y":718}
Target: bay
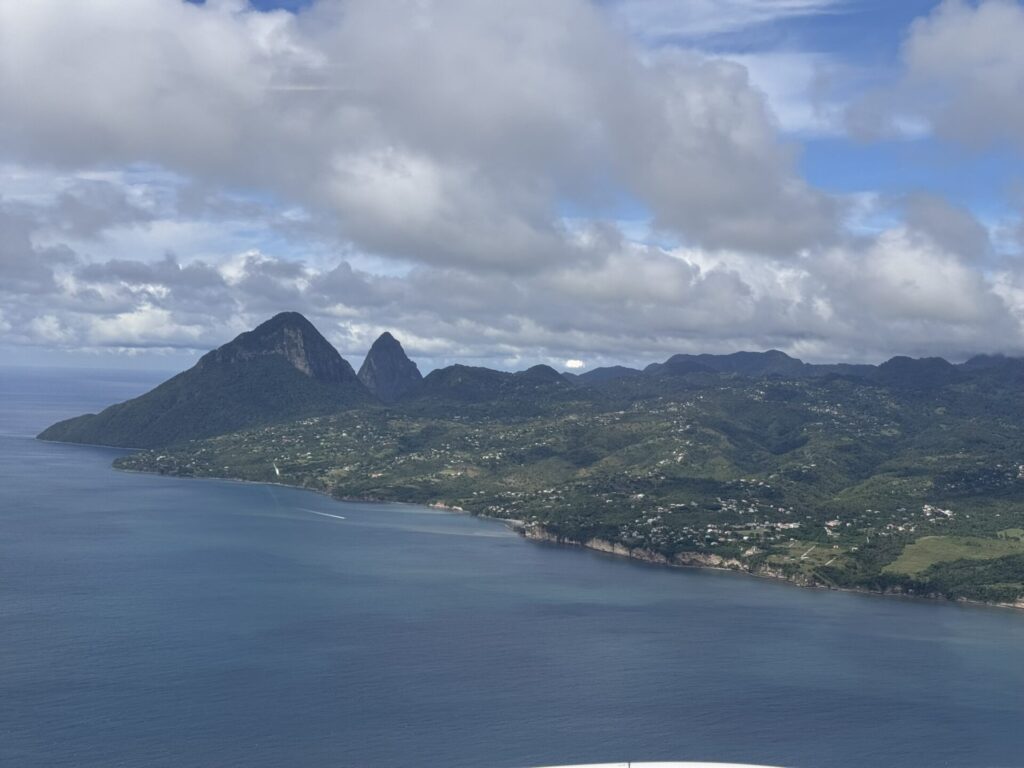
{"x":152,"y":621}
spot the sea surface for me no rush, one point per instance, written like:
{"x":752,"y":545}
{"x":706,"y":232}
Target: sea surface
{"x":151,"y":621}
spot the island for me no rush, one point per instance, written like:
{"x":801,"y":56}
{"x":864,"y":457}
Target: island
{"x":902,"y":478}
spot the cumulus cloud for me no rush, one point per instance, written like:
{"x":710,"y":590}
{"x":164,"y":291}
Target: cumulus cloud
{"x":24,"y":266}
{"x":962,"y":77}
{"x":953,"y":228}
{"x":624,"y":302}
{"x":465,"y":156}
{"x":419,"y":167}
{"x":968,"y":62}
{"x":89,"y":206}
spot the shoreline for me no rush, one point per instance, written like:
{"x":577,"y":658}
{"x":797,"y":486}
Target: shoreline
{"x":537,"y":533}
{"x":712,"y":562}
{"x":511,"y":523}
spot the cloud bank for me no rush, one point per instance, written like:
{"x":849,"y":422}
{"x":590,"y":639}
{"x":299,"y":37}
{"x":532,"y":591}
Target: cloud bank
{"x":492,"y":182}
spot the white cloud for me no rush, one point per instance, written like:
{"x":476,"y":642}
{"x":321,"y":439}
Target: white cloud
{"x":574,"y":364}
{"x":951,"y":227}
{"x":49,"y":328}
{"x":467,"y":154}
{"x":801,"y":89}
{"x":662,"y":19}
{"x":968,"y":61}
{"x":144,"y":326}
{"x":414,"y":175}
{"x":903,"y":276}
{"x":905,"y":290}
{"x":962,"y":77}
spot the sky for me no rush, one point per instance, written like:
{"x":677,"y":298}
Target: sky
{"x":572,"y":182}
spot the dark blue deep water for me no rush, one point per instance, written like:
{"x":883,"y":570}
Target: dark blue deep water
{"x":148,"y":621}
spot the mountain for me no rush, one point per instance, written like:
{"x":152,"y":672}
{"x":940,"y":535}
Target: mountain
{"x":923,"y":373}
{"x":387,"y":371}
{"x":678,"y":365}
{"x":293,"y":337}
{"x":475,"y":384}
{"x":540,"y":374}
{"x":608,"y":373}
{"x":749,"y":364}
{"x":996,"y":368}
{"x":987,"y":362}
{"x":755,"y":365}
{"x":281,"y":370}
{"x":464,"y":382}
{"x":284,"y":370}
{"x":908,"y":479}
{"x":524,"y":391}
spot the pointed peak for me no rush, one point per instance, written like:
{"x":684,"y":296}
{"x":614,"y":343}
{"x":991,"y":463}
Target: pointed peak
{"x":283,"y":324}
{"x":387,"y":371}
{"x":292,"y":336}
{"x":285,"y":320}
{"x":386,"y":340}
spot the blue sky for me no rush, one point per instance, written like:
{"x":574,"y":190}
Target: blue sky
{"x":511,"y":183}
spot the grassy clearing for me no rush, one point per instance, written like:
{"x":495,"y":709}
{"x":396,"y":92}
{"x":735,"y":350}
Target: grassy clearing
{"x":808,"y":555}
{"x":923,"y":553}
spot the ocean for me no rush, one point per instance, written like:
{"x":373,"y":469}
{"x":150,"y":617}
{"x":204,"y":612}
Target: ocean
{"x":153,"y":621}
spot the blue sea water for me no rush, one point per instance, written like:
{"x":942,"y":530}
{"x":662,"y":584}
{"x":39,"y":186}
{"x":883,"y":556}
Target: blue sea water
{"x":150,"y":621}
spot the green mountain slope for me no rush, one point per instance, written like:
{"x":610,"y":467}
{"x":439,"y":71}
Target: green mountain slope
{"x":906,"y":476}
{"x":284,"y":369}
{"x":387,"y":371}
{"x":822,"y":480}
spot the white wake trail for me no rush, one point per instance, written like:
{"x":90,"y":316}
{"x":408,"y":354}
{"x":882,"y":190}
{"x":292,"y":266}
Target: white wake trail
{"x":324,"y":514}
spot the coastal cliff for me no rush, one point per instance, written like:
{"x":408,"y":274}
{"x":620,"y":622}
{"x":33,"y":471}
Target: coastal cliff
{"x":537,"y":532}
{"x":540,"y":533}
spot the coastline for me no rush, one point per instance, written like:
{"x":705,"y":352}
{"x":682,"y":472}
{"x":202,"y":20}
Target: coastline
{"x":539,"y":534}
{"x":717,"y":563}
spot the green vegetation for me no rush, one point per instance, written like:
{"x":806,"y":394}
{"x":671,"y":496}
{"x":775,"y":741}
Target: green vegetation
{"x":251,"y":392}
{"x":903,"y":477}
{"x":832,"y":480}
{"x":282,"y":370}
{"x":922,"y":554}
